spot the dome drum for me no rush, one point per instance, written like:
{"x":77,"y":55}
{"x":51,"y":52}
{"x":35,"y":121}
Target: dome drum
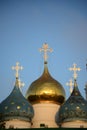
{"x":43,"y":98}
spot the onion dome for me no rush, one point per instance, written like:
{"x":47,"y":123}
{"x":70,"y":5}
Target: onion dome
{"x":45,"y":88}
{"x":75,"y":107}
{"x":15,"y":106}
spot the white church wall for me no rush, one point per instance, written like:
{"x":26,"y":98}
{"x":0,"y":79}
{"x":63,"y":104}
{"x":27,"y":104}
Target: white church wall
{"x":45,"y":115}
{"x":16,"y":123}
{"x":75,"y":124}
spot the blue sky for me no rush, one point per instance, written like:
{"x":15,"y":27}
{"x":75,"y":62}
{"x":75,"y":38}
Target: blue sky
{"x":26,"y":24}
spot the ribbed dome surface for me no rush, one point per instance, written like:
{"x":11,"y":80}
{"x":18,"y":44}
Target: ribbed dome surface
{"x":45,"y":89}
{"x":16,"y":106}
{"x":75,"y":108}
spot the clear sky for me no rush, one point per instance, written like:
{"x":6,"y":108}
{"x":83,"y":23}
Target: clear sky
{"x":26,"y":24}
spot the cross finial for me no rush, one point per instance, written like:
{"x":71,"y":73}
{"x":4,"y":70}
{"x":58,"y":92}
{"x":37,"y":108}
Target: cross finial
{"x":17,"y":68}
{"x":70,"y":84}
{"x":45,"y":48}
{"x":21,"y":84}
{"x":74,"y":69}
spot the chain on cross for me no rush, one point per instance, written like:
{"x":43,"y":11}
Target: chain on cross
{"x":74,"y":69}
{"x":70,"y":84}
{"x":17,"y":68}
{"x":45,"y":48}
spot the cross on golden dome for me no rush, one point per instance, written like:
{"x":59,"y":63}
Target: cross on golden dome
{"x":45,"y":48}
{"x":74,"y":69}
{"x":70,"y":84}
{"x":17,"y":68}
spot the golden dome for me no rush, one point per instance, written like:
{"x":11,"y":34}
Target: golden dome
{"x":46,"y":89}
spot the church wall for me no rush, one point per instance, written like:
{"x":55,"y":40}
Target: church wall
{"x":75,"y":124}
{"x":15,"y":123}
{"x":45,"y":115}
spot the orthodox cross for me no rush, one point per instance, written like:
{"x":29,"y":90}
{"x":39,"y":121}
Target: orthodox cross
{"x":45,"y":49}
{"x":70,"y":84}
{"x":17,"y":68}
{"x":74,"y":69}
{"x":21,"y":84}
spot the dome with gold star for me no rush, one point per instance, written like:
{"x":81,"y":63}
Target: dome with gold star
{"x":74,"y":109}
{"x":46,"y":88}
{"x":15,"y":106}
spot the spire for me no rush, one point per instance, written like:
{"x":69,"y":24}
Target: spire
{"x":45,"y":48}
{"x":70,"y":84}
{"x":74,"y":69}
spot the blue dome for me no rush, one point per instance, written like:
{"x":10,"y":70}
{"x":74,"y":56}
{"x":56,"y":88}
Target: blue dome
{"x":75,"y":108}
{"x":15,"y":106}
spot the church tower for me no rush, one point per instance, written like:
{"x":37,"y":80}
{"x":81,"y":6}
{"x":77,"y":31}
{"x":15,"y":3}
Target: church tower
{"x":15,"y":110}
{"x":46,"y":95}
{"x":73,"y":113}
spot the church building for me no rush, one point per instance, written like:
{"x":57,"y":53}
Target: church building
{"x":45,"y":104}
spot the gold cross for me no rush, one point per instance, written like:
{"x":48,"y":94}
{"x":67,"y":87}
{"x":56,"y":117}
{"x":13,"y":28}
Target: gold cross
{"x":21,"y":84}
{"x":74,"y":69}
{"x":45,"y":49}
{"x":70,"y":84}
{"x":17,"y":68}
